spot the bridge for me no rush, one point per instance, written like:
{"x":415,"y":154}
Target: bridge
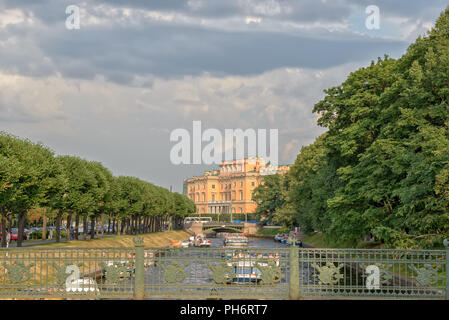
{"x":223,"y":227}
{"x":196,"y":227}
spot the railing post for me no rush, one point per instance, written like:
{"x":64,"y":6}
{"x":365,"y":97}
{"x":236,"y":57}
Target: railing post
{"x":294,"y":273}
{"x":446,"y":246}
{"x":139,"y":276}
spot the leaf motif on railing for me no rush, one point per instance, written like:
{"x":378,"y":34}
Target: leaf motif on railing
{"x":174,"y":273}
{"x":61,"y":275}
{"x":18,"y":272}
{"x":222,"y":272}
{"x":115,"y":271}
{"x":328,"y":274}
{"x":270,"y":272}
{"x":426,"y":275}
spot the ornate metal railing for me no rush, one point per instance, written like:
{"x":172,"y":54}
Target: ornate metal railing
{"x":373,"y":273}
{"x":219,"y":273}
{"x":214,"y":273}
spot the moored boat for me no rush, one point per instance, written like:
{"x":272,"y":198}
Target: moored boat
{"x":236,"y":241}
{"x":201,"y":241}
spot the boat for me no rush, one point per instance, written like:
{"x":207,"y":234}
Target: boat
{"x":185,"y":244}
{"x":246,"y":266}
{"x":201,"y":241}
{"x":175,"y":244}
{"x":236,"y":241}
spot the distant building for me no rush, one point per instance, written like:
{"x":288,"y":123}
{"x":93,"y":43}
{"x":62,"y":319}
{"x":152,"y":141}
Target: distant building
{"x":231,"y":186}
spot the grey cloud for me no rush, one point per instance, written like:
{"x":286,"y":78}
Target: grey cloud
{"x":119,"y":54}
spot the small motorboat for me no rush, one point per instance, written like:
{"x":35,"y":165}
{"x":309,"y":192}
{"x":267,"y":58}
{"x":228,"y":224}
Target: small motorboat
{"x":185,"y":244}
{"x":201,"y":241}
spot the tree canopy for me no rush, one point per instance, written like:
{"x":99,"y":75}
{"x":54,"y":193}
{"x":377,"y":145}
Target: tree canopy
{"x":382,"y":168}
{"x":31,"y":176}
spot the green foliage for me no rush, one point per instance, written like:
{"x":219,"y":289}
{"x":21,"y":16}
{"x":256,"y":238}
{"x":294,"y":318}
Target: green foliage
{"x":269,"y":196}
{"x":382,"y":169}
{"x":31,"y":176}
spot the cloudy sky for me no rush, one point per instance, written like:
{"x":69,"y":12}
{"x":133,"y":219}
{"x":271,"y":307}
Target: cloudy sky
{"x":114,"y":89}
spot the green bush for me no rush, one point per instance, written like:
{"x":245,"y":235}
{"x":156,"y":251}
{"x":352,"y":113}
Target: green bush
{"x":36,"y":235}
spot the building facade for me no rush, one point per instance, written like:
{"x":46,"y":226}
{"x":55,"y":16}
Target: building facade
{"x":230,"y":187}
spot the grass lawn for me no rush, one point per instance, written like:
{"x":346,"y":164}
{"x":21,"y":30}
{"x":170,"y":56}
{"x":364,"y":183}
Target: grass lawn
{"x":157,"y":239}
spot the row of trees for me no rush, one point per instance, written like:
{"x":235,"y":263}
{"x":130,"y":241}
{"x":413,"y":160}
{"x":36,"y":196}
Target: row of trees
{"x":32,"y":176}
{"x":382,"y":168}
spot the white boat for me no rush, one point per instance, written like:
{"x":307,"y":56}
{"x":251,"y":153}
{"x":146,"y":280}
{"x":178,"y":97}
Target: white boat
{"x":236,"y":241}
{"x":185,"y":244}
{"x":201,"y":241}
{"x":246,"y":266}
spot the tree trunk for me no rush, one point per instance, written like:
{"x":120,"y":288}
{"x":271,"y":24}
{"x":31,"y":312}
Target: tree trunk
{"x":77,"y":225}
{"x":145,"y":225}
{"x":44,"y":226}
{"x":122,"y":226}
{"x":85,"y":227}
{"x":140,"y":224}
{"x":109,"y":225}
{"x":92,"y":227}
{"x":3,"y":230}
{"x":58,"y":225}
{"x":21,"y":226}
{"x":69,"y":226}
{"x":113,"y":226}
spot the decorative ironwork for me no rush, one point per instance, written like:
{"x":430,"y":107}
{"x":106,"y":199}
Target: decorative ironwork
{"x":329,"y":274}
{"x":138,"y":241}
{"x":61,"y":275}
{"x":18,"y":272}
{"x":426,"y":275}
{"x":221,"y":273}
{"x":270,"y":273}
{"x":115,"y":272}
{"x":277,"y":273}
{"x":174,"y":273}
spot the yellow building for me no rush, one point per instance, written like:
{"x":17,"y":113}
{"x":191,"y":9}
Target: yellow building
{"x":229,"y":187}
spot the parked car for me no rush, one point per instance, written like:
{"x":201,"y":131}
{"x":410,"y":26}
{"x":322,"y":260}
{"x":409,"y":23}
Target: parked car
{"x":15,"y":234}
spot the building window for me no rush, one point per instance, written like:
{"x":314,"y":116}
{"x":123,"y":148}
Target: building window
{"x":213,"y":197}
{"x":241,"y":195}
{"x":213,"y":186}
{"x":253,"y":183}
{"x":241,"y":183}
{"x":241,"y":210}
{"x":235,"y":183}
